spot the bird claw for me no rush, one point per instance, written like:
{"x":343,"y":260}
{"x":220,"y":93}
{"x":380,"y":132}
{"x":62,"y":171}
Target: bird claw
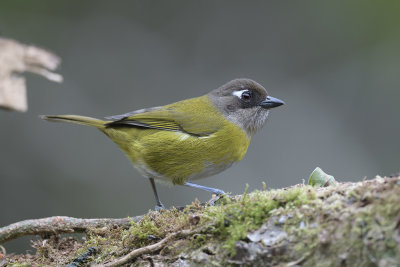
{"x":159,"y":207}
{"x":215,"y":198}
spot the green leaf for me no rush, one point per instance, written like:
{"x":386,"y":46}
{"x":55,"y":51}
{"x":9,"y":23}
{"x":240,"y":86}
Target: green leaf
{"x":319,"y":178}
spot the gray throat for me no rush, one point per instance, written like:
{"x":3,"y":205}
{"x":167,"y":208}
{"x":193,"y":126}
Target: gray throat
{"x":250,"y":121}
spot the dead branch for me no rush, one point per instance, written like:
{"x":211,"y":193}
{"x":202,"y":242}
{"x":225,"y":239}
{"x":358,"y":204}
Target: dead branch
{"x":149,"y":249}
{"x":57,"y":225}
{"x":16,"y":58}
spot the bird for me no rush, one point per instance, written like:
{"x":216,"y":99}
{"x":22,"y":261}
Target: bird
{"x":189,"y":139}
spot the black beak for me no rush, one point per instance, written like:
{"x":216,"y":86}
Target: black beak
{"x":271,"y":102}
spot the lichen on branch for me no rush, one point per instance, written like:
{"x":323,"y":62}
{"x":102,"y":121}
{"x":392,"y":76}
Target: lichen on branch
{"x":349,"y":224}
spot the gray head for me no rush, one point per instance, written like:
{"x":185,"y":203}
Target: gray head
{"x":245,"y":103}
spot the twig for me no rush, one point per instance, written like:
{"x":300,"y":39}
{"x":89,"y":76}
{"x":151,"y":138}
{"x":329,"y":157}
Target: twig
{"x":60,"y":224}
{"x":149,"y":249}
{"x":56,"y":225}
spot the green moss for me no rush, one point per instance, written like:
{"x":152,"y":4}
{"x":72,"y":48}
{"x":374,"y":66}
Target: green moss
{"x":199,"y":240}
{"x":233,"y":221}
{"x":105,"y":242}
{"x":228,"y":222}
{"x":143,"y":231}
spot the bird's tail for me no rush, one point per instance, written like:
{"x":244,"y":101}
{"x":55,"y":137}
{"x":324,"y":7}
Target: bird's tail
{"x":75,"y":119}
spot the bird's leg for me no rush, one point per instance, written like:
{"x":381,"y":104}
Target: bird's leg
{"x":216,"y":191}
{"x":159,"y":205}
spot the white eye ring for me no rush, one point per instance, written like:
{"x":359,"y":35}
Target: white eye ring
{"x":239,"y":93}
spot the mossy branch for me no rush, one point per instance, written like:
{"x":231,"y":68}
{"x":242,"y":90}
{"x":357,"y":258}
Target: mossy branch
{"x":346,"y":224}
{"x":58,"y":225}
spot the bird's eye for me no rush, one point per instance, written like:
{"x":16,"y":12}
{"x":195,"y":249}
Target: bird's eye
{"x":246,"y":95}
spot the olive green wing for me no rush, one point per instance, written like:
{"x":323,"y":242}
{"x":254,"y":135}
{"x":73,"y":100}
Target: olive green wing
{"x":197,"y":120}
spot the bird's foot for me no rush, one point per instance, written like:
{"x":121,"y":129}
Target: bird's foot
{"x":159,"y":207}
{"x":217,"y":193}
{"x":216,"y":197}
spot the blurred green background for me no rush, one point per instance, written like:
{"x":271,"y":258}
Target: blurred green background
{"x":336,"y":64}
